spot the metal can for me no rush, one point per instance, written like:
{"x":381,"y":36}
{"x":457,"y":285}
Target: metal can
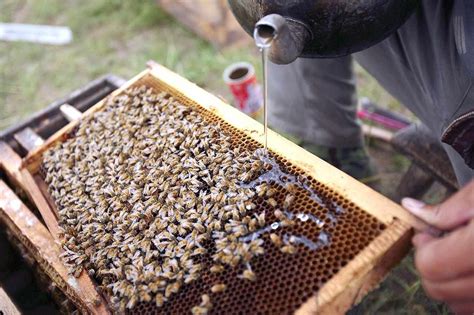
{"x":242,"y":81}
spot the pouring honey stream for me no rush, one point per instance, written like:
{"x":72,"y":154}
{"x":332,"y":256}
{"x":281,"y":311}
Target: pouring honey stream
{"x":263,"y":36}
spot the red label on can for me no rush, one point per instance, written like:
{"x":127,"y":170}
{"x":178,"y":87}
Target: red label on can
{"x":247,"y":94}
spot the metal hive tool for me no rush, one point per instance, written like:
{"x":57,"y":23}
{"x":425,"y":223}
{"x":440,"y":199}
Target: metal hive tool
{"x":362,"y":245}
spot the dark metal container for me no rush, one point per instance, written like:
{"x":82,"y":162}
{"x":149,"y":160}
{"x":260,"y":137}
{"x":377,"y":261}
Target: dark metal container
{"x":329,"y":28}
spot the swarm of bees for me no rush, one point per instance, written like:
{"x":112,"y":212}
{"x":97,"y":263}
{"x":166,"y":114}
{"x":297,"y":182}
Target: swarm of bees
{"x":142,"y":186}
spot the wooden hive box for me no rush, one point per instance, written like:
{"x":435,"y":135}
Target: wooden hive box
{"x":210,"y":20}
{"x":349,"y":281}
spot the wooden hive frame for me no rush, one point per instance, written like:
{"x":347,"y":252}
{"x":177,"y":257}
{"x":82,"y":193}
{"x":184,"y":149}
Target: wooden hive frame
{"x":6,"y":305}
{"x":354,"y":280}
{"x":41,"y":242}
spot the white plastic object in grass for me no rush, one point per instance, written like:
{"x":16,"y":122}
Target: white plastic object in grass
{"x":43,"y":34}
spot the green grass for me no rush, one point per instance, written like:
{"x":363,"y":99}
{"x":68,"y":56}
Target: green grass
{"x":110,"y":36}
{"x":113,"y":36}
{"x":400,"y":294}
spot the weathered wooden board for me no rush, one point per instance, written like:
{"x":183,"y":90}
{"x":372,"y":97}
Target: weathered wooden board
{"x":43,"y":247}
{"x":28,"y":139}
{"x":210,"y":19}
{"x":39,"y":240}
{"x":7,"y":307}
{"x":10,"y":162}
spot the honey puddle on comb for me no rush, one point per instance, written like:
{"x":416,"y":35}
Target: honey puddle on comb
{"x":172,"y":210}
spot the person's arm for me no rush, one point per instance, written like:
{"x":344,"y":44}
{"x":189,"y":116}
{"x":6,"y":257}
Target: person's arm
{"x":446,"y":264}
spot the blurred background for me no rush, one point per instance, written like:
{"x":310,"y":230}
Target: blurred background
{"x":119,"y":37}
{"x":112,"y":36}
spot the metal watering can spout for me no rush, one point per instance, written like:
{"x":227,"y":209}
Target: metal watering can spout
{"x":283,"y":37}
{"x":322,"y":28}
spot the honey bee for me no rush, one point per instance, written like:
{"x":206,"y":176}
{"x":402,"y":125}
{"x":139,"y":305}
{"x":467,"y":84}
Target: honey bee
{"x":271,"y":192}
{"x":172,"y":263}
{"x":159,"y":300}
{"x":261,"y":219}
{"x":272,"y":202}
{"x":249,"y":275}
{"x":199,"y":310}
{"x":182,"y":231}
{"x":235,"y":214}
{"x":199,"y":227}
{"x":288,"y":249}
{"x":205,"y":300}
{"x":249,"y":193}
{"x":241,"y":207}
{"x":228,"y":227}
{"x":234,"y":260}
{"x":199,"y":238}
{"x":287,"y":222}
{"x":276,"y":239}
{"x":252,"y":227}
{"x":261,"y":189}
{"x":153,"y":286}
{"x":172,"y":288}
{"x":144,"y":296}
{"x":217,"y":225}
{"x":245,"y":177}
{"x":190,"y":278}
{"x":279,"y":214}
{"x":217,"y":268}
{"x":288,"y":201}
{"x":199,"y":251}
{"x":131,"y":302}
{"x":256,"y":247}
{"x":218,"y":288}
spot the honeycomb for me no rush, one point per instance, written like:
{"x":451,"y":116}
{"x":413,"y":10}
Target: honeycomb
{"x":283,"y":282}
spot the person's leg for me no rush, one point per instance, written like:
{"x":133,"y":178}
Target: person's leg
{"x":421,"y":66}
{"x":315,"y":101}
